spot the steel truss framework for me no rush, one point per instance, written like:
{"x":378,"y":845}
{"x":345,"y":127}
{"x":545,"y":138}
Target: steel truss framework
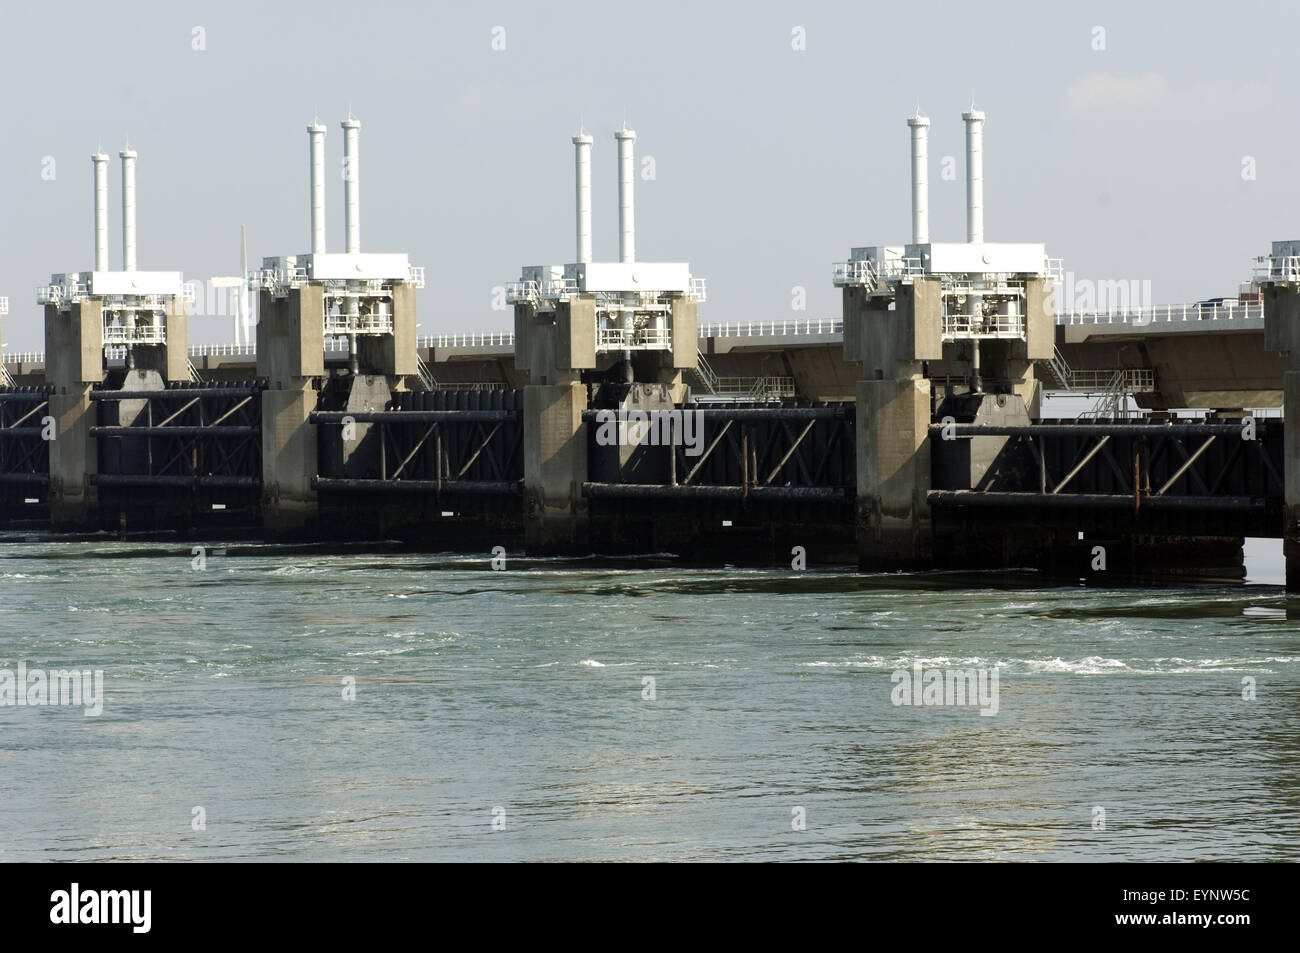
{"x":1133,"y":470}
{"x":752,"y":454}
{"x":192,"y":436}
{"x":24,"y":454}
{"x":439,"y":443}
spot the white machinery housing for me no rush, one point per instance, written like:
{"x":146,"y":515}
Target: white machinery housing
{"x":633,"y":299}
{"x":982,"y":283}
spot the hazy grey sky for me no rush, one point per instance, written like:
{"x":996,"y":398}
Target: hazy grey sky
{"x":770,"y":162}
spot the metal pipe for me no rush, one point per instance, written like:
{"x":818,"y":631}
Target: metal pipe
{"x":1086,"y":430}
{"x":665,"y":491}
{"x":128,"y":156}
{"x":174,"y":393}
{"x":1022,"y":499}
{"x":101,"y":210}
{"x":128,"y":479}
{"x":410,"y":416}
{"x":504,"y":487}
{"x":352,"y":184}
{"x":316,"y":135}
{"x":626,"y":201}
{"x":233,"y":430}
{"x":920,"y":126}
{"x":974,"y":120}
{"x":582,"y":191}
{"x":832,"y":412}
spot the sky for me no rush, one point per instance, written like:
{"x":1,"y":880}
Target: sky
{"x":1140,"y":142}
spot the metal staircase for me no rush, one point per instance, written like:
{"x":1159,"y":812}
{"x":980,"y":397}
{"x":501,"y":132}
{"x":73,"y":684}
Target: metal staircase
{"x":705,"y":375}
{"x":1060,"y":370}
{"x":426,"y":375}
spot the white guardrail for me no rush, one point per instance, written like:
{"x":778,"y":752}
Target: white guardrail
{"x":1192,"y":311}
{"x":1228,"y":311}
{"x":757,"y":329}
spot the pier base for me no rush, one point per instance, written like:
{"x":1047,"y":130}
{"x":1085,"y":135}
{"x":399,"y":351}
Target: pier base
{"x":894,"y":529}
{"x":289,"y":461}
{"x":1291,"y":477}
{"x":555,"y":467}
{"x":73,"y":500}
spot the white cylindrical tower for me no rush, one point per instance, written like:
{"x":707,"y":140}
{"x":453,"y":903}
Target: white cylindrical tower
{"x":626,"y":202}
{"x":316,"y":132}
{"x":127,"y":156}
{"x":352,"y":184}
{"x":582,"y":192}
{"x":101,"y":210}
{"x":974,"y":120}
{"x":920,"y":126}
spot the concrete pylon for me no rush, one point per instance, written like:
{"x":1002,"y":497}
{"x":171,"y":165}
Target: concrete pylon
{"x":555,"y":467}
{"x":1282,"y":334}
{"x":291,"y":357}
{"x":74,"y":362}
{"x":894,"y":525}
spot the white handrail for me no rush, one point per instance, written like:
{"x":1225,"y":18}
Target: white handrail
{"x":1164,"y":314}
{"x":772,"y":328}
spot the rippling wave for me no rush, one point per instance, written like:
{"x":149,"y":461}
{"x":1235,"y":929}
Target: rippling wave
{"x":633,"y":709}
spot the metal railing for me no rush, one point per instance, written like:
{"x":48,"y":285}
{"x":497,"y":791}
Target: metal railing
{"x":223,"y":350}
{"x":277,"y":279}
{"x":870,"y":274}
{"x":471,"y":339}
{"x":706,"y":374}
{"x":1060,"y":368}
{"x":752,"y":388}
{"x":638,"y":339}
{"x":999,"y":326}
{"x":1191,"y":311}
{"x":140,"y":334}
{"x":1281,"y":268}
{"x":341,"y":324}
{"x":57,"y":295}
{"x":4,"y":305}
{"x":1133,"y":380}
{"x":415,"y":275}
{"x":699,"y":290}
{"x":535,"y":292}
{"x":753,"y":329}
{"x":426,"y":375}
{"x":1112,"y":402}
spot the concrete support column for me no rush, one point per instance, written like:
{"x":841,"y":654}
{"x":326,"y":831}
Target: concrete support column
{"x":289,"y":462}
{"x":291,"y":356}
{"x":73,"y":362}
{"x":555,"y":467}
{"x":178,"y":341}
{"x":894,"y":528}
{"x":1291,"y":479}
{"x":393,"y":355}
{"x":74,"y":456}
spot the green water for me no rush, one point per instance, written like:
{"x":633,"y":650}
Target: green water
{"x":519,"y":696}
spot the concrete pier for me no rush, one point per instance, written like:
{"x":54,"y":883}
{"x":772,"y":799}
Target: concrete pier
{"x":74,"y":363}
{"x":291,"y":358}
